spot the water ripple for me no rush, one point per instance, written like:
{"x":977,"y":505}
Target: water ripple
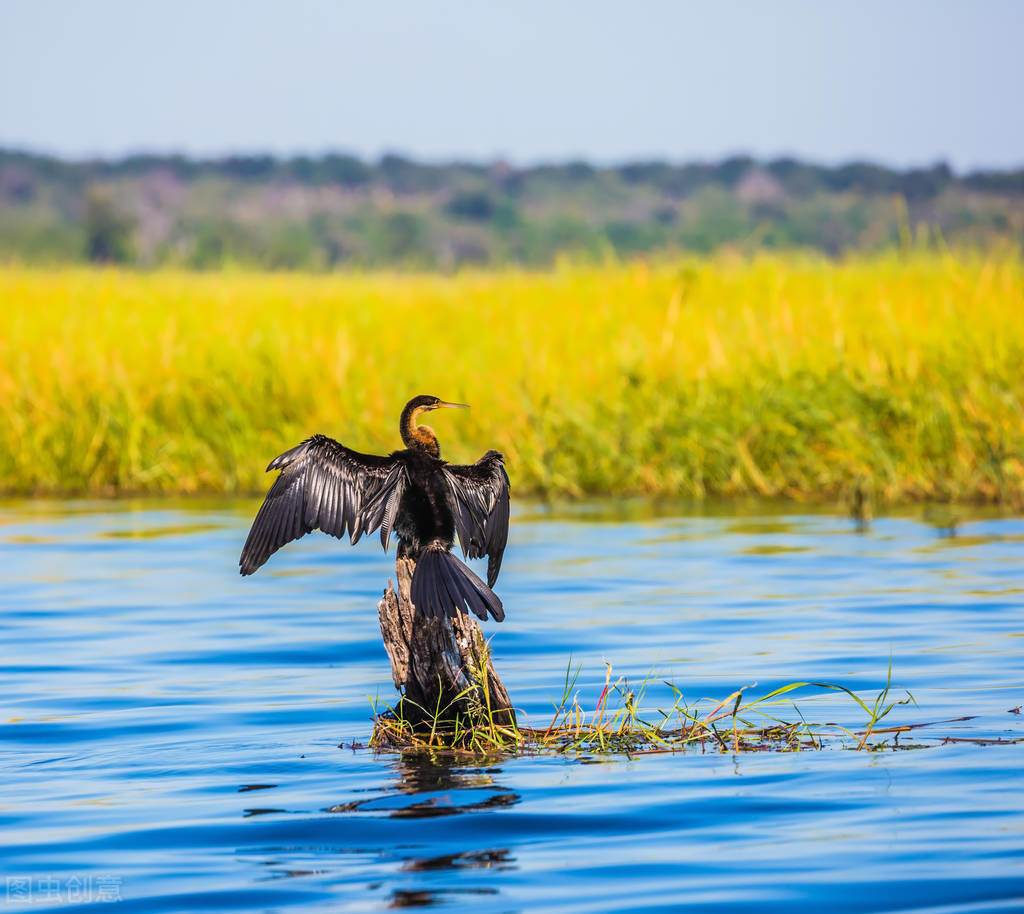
{"x":171,"y":731}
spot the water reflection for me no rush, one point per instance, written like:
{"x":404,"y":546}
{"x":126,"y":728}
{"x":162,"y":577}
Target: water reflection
{"x":428,"y":786}
{"x":150,"y":533}
{"x":468,"y":860}
{"x":420,"y":898}
{"x":425,"y":786}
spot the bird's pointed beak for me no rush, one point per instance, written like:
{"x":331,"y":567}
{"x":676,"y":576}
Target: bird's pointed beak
{"x":452,"y":405}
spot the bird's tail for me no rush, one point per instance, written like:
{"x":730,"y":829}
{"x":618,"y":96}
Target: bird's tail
{"x":442,"y":586}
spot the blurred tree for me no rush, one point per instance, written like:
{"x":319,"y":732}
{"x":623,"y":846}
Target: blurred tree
{"x":403,"y":175}
{"x":17,"y":185}
{"x":732,"y":169}
{"x":401,"y":237}
{"x":634,"y":237}
{"x":507,"y":217}
{"x":474,"y":205}
{"x":544,"y":241}
{"x":218,"y":242}
{"x":108,"y":231}
{"x":293,"y":246}
{"x":714,"y":217}
{"x":318,"y":211}
{"x":248,"y":168}
{"x":925,"y":183}
{"x":798,"y":179}
{"x":346,"y":170}
{"x":996,"y":181}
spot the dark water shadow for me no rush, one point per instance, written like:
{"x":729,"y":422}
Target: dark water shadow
{"x":427,"y":787}
{"x":497,"y":859}
{"x":423,"y":898}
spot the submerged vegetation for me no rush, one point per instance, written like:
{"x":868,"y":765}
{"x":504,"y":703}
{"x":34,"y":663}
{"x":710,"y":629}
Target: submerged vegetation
{"x":874,"y":379}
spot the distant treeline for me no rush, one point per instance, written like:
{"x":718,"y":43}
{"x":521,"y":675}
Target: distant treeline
{"x":339,"y":210}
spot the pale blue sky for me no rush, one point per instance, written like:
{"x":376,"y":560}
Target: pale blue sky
{"x":904,"y":82}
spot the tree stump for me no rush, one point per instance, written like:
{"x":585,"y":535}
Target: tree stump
{"x":439,"y":665}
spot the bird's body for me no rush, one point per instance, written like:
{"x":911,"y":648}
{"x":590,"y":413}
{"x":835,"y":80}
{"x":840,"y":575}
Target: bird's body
{"x":424,"y":514}
{"x":424,"y":500}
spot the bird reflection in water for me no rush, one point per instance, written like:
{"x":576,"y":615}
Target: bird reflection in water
{"x":423,"y":898}
{"x":426,"y":787}
{"x":435,"y":788}
{"x":497,"y":859}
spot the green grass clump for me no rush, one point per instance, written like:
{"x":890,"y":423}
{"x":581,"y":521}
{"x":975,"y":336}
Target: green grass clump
{"x":778,"y":376}
{"x":621,"y":724}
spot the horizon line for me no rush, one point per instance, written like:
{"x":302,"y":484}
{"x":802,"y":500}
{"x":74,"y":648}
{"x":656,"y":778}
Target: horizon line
{"x":597,"y":163}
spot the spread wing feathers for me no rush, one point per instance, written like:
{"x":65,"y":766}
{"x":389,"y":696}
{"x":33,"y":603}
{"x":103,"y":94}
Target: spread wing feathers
{"x":480,"y":505}
{"x":325,"y":486}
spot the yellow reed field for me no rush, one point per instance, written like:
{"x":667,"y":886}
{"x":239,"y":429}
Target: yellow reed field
{"x":899,"y":376}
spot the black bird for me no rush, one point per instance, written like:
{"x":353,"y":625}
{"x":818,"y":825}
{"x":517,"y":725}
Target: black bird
{"x":324,"y":485}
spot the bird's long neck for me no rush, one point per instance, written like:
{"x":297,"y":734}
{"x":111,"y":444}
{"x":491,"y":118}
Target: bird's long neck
{"x":418,"y":437}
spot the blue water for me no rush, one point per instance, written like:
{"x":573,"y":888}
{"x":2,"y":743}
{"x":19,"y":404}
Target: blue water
{"x":171,"y":731}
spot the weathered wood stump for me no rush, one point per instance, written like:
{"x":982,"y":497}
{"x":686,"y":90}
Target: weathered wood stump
{"x":440,"y":664}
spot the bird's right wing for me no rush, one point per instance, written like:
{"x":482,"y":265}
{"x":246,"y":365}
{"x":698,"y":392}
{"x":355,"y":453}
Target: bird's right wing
{"x":324,"y":485}
{"x":480,"y":505}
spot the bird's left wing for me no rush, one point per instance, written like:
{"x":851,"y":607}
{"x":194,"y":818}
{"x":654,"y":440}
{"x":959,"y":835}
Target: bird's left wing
{"x":479,"y":498}
{"x":324,"y":485}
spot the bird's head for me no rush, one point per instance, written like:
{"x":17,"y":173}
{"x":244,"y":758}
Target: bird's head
{"x":422,"y":436}
{"x":425,"y":402}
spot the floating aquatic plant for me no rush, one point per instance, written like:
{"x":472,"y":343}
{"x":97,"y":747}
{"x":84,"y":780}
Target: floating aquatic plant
{"x":623,"y":721}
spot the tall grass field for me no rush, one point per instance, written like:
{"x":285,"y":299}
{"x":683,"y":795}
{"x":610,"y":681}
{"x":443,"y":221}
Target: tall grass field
{"x":901,"y":375}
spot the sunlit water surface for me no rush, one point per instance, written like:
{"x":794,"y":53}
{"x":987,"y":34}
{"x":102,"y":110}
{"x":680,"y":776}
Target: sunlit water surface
{"x":171,"y":731}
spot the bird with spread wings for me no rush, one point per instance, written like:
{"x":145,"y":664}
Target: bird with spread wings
{"x":423,"y":500}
